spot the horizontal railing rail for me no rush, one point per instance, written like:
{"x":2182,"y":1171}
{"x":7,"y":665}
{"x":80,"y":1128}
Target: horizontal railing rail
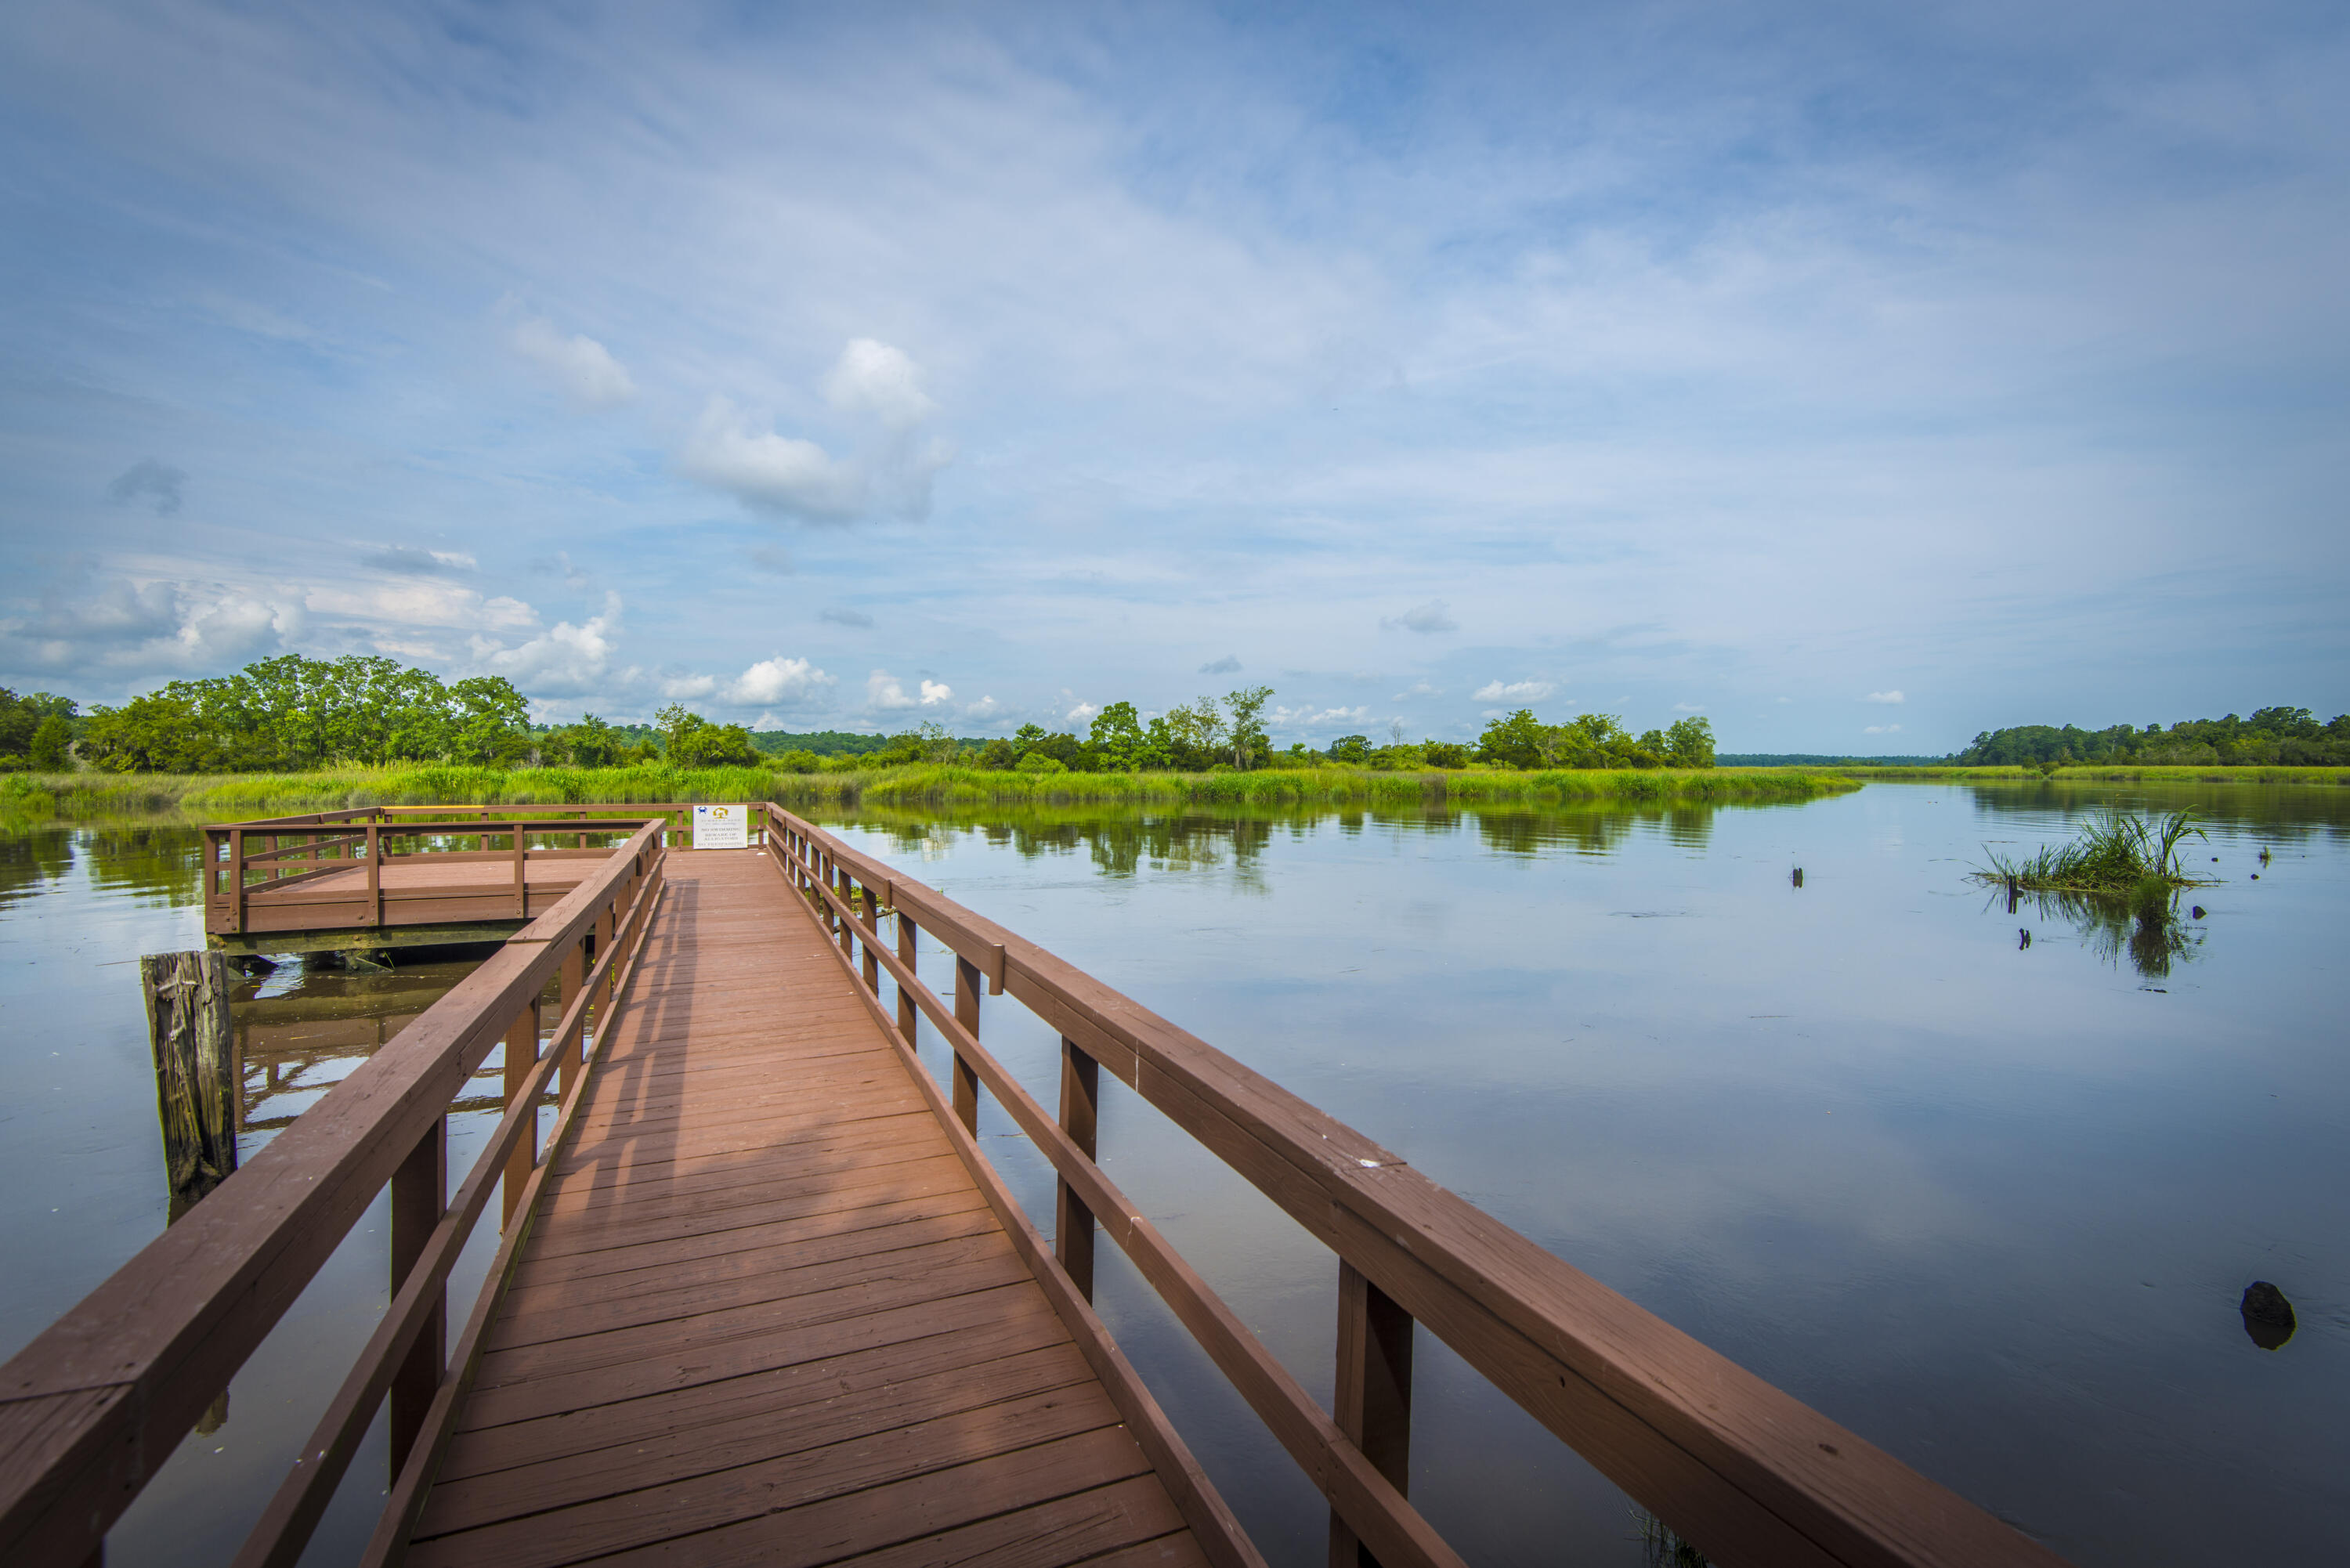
{"x":294,"y":852}
{"x":93,"y":1407}
{"x":1740,"y":1468}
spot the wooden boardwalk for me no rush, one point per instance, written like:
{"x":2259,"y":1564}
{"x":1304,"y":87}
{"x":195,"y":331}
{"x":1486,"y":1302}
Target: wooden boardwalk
{"x":766,"y":1313}
{"x":764,"y":1299}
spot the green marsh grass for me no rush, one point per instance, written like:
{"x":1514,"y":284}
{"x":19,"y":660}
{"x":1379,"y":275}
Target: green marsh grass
{"x":92,"y":795}
{"x":2118,"y":854}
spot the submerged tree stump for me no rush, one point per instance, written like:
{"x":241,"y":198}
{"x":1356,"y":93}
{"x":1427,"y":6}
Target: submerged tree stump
{"x":195,"y":1078}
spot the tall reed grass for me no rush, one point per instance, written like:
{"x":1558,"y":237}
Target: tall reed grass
{"x":2116,"y":853}
{"x":223,"y":798}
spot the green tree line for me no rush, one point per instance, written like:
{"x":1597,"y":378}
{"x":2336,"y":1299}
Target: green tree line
{"x":2272,"y":736}
{"x":292,"y":713}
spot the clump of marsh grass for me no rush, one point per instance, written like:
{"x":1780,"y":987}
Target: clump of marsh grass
{"x":2117,"y":855}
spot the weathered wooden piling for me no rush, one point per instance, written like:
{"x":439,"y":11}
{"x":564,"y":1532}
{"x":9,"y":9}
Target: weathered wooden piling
{"x":196,"y":1073}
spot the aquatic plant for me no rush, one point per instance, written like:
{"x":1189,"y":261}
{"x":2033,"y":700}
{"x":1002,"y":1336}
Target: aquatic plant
{"x":2118,"y":854}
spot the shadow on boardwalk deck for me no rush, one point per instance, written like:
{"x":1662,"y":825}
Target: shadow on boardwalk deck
{"x":766,"y":1314}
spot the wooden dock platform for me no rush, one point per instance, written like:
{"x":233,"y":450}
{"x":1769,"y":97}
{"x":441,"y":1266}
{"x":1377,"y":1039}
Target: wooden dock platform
{"x":766,"y":1313}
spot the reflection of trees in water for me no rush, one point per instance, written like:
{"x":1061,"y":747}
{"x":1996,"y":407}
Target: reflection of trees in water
{"x":2149,"y":934}
{"x":158,"y":862}
{"x":1598,"y":830}
{"x":2282,"y":813}
{"x":29,"y":861}
{"x":1117,"y":845}
{"x":1123,"y":844}
{"x":155,"y":862}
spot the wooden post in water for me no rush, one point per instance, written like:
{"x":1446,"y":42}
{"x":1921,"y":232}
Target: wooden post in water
{"x":195,"y":1089}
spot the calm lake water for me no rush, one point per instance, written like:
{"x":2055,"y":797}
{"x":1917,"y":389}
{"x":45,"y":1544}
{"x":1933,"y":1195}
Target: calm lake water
{"x":1990,"y":1204}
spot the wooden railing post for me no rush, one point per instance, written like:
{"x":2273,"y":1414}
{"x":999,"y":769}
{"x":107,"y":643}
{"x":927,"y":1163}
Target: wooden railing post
{"x":966,"y":1076}
{"x":520,"y":883}
{"x":872,"y":911}
{"x":845,"y":884}
{"x":907,"y":932}
{"x":375,"y":874}
{"x":420,"y":1193}
{"x":1073,"y":1222}
{"x":568,"y":987}
{"x":1373,"y":1395}
{"x":236,"y":877}
{"x":522,"y":1054}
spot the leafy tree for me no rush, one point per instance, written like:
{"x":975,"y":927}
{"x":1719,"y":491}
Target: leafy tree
{"x":1351,"y":749}
{"x":50,"y":739}
{"x":1249,"y":739}
{"x":1513,"y":741}
{"x":1446,"y":754}
{"x":1116,"y":738}
{"x":591,"y":743}
{"x":1689,"y":743}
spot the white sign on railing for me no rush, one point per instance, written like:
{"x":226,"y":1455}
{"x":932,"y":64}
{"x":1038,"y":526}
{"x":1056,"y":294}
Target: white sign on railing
{"x":722,"y":828}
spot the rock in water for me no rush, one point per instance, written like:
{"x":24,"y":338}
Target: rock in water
{"x":2268,"y":1316}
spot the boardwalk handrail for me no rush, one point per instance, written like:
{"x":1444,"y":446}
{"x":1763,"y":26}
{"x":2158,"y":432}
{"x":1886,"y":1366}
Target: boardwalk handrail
{"x":1737,"y":1467}
{"x":299,"y":849}
{"x":91,"y":1408}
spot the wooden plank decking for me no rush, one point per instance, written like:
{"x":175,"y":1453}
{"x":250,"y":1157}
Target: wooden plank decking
{"x":766,"y":1314}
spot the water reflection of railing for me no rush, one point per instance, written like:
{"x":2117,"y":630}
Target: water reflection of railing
{"x":1727,"y":1461}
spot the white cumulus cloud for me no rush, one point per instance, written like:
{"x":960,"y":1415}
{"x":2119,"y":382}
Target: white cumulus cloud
{"x":1080,"y":714}
{"x":885,"y":691}
{"x":778,"y":681}
{"x":582,"y":366}
{"x":423,"y":602}
{"x":1513,"y":692}
{"x":890,"y":471}
{"x":874,"y":378}
{"x":1894,"y":696}
{"x":1882,"y":730}
{"x":567,"y":661}
{"x":769,"y":471}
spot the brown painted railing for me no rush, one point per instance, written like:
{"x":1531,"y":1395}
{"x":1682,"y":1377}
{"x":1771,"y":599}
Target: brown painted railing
{"x":1745,"y":1473}
{"x":276,"y":854}
{"x":90,"y":1409}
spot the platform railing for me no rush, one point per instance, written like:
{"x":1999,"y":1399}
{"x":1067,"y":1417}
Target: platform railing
{"x":90,"y":1409}
{"x":1742,"y":1470}
{"x":276,"y":854}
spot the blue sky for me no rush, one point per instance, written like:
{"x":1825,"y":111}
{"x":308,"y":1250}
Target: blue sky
{"x":1860,"y":376}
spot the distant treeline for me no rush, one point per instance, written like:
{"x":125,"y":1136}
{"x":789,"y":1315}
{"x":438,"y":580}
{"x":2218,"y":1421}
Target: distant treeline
{"x":1822,"y":760}
{"x":2290,"y":736}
